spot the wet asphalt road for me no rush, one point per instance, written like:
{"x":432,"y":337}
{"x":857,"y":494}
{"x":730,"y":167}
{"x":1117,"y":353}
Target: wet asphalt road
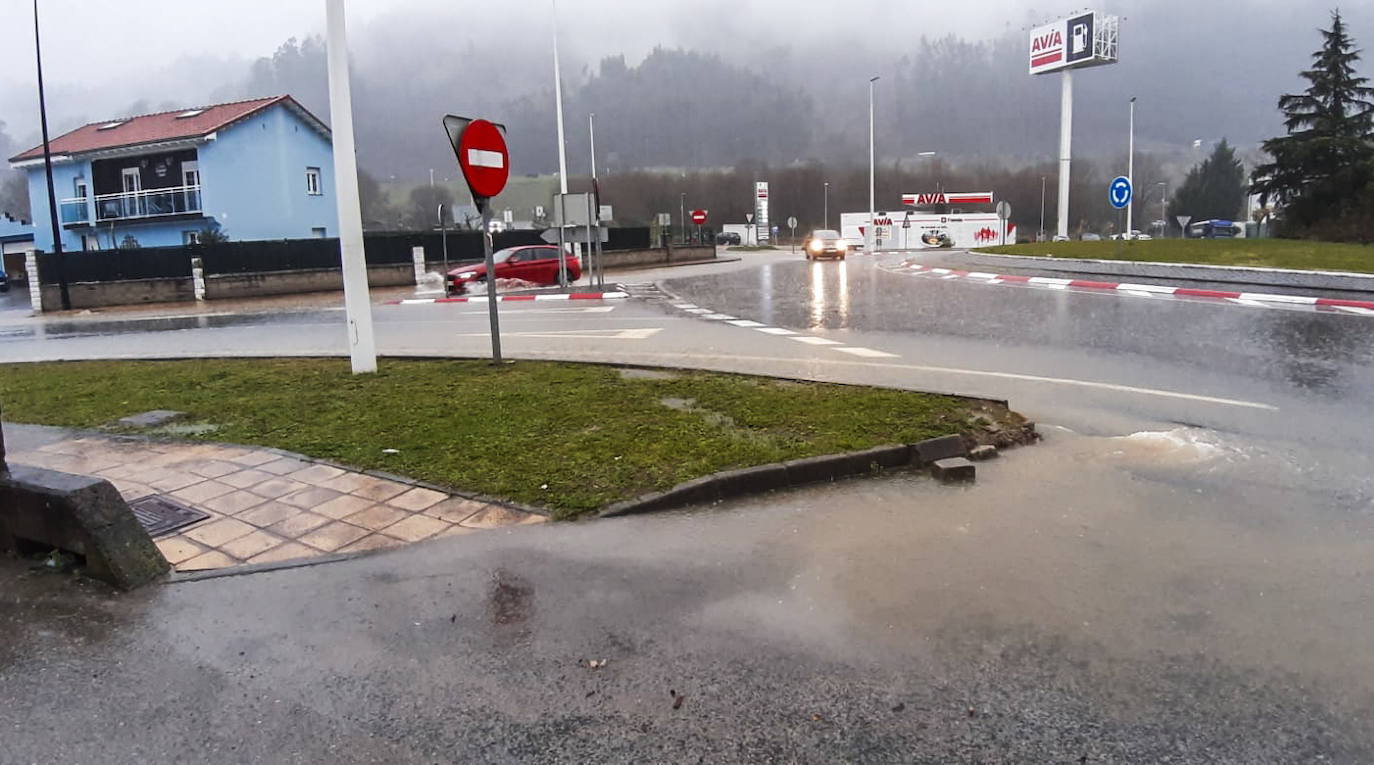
{"x":1198,"y":592}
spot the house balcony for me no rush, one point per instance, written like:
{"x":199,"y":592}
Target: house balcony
{"x":132,"y":205}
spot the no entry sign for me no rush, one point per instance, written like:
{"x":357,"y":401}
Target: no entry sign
{"x":699,"y":217}
{"x":482,"y":154}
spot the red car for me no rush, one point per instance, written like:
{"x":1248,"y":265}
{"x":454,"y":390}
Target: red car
{"x":534,"y":263}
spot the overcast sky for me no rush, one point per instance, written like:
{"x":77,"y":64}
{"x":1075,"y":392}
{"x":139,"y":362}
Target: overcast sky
{"x":102,"y":56}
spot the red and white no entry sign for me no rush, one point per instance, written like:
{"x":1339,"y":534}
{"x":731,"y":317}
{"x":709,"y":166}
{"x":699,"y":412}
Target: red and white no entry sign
{"x":698,"y":217}
{"x":482,"y":155}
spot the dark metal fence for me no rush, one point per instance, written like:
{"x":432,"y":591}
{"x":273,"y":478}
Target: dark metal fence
{"x":382,"y":248}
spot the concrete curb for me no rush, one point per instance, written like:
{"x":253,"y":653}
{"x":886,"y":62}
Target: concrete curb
{"x":730,"y":484}
{"x":1339,"y":281}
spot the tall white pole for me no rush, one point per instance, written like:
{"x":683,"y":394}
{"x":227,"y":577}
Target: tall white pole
{"x":591,"y":130}
{"x":357,"y":301}
{"x":558,"y":105}
{"x":1130,"y":172}
{"x":872,"y":175}
{"x":1065,"y":150}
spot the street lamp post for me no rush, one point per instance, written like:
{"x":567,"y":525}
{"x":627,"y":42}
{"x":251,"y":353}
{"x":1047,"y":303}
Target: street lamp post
{"x":47,"y":168}
{"x":1130,"y":171}
{"x":1042,"y":209}
{"x":682,"y":216}
{"x":872,"y":170}
{"x":827,"y":206}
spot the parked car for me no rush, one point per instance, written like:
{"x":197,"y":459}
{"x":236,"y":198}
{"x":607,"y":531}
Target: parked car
{"x":728,"y":238}
{"x":1092,"y":238}
{"x":533,"y":263}
{"x":1060,"y":238}
{"x":825,"y":243}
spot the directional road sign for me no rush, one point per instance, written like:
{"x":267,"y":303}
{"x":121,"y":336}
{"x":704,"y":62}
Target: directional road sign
{"x":1120,"y":192}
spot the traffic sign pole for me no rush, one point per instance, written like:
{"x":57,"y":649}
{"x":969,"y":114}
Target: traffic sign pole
{"x":493,"y":313}
{"x":485,"y":161}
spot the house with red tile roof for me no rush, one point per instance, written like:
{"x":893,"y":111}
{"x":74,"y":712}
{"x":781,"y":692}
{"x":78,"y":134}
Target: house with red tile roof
{"x":250,"y":170}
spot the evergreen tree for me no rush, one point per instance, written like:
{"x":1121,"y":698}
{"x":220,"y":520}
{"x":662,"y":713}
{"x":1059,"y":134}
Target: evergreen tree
{"x":1327,"y":158}
{"x":1214,"y":189}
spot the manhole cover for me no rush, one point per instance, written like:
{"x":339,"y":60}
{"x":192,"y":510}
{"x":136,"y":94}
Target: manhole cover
{"x":160,"y":516}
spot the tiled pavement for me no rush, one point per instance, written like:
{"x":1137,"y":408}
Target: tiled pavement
{"x":267,"y":508}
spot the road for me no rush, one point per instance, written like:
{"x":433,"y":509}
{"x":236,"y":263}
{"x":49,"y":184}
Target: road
{"x":1181,"y":572}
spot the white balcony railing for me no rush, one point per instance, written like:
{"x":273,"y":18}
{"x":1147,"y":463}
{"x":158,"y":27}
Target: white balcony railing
{"x":151,"y":203}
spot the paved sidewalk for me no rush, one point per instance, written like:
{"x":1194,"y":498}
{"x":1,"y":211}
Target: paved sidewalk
{"x":265,"y":507}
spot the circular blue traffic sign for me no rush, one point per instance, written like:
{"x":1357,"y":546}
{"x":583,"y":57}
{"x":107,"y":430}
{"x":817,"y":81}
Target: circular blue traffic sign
{"x":1120,"y":192}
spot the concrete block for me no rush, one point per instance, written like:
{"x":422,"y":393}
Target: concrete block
{"x":933,"y":450}
{"x":954,"y":470}
{"x":82,"y":515}
{"x":754,"y":480}
{"x":816,"y":469}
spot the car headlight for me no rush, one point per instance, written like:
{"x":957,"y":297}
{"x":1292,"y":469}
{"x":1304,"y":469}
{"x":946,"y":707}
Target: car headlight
{"x":467,"y":275}
{"x":816,"y":245}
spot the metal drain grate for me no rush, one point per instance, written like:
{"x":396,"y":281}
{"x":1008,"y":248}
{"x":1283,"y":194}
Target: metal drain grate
{"x":160,"y":516}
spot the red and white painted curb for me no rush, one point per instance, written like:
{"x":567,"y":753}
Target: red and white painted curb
{"x":516,"y":298}
{"x":1254,"y":299}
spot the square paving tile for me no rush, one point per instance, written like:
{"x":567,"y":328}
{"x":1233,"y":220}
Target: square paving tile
{"x":495,"y":516}
{"x":455,"y":510}
{"x":246,"y":547}
{"x":298,"y":524}
{"x":246,"y":478}
{"x":178,"y":549}
{"x":174,"y":481}
{"x":332,"y":537}
{"x":125,"y":470}
{"x":131,"y":491}
{"x":208,"y":561}
{"x":214,"y":468}
{"x":415,"y":528}
{"x":418,"y":499}
{"x":283,"y":465}
{"x":310,"y":498}
{"x":342,"y":507}
{"x":234,"y":502}
{"x":348,"y":482}
{"x":219,"y":533}
{"x":268,"y":514}
{"x":374,"y":542}
{"x":277,"y":488}
{"x":316,"y":474}
{"x":377,"y":517}
{"x":203,"y":491}
{"x":253,"y":459}
{"x":288,"y":551}
{"x":378,"y":489}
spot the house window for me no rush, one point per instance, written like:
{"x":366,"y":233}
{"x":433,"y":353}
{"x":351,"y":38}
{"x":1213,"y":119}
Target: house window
{"x":312,"y":181}
{"x":190,"y":237}
{"x":318,"y":232}
{"x":79,"y":188}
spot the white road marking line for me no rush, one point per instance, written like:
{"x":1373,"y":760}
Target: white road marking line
{"x":1154,"y":288}
{"x":950,"y":276}
{"x":745,"y":323}
{"x":699,"y":311}
{"x":558,"y":297}
{"x":718,"y":317}
{"x":809,"y":340}
{"x":1137,"y":293}
{"x":1250,"y":303}
{"x":1048,"y":282}
{"x":1063,"y":286}
{"x":776,"y":331}
{"x":867,"y":353}
{"x":684,"y":306}
{"x":1295,"y":299}
{"x":519,"y":312}
{"x":1355,"y":310}
{"x":579,"y":334}
{"x":981,"y":275}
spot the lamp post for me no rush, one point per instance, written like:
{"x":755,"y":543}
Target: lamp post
{"x":682,"y":216}
{"x":1130,"y":171}
{"x":1042,"y":209}
{"x":827,"y":206}
{"x":47,"y":168}
{"x":872,"y":170}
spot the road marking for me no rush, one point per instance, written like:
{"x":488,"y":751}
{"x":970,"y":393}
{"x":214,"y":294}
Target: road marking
{"x":579,"y":334}
{"x":745,"y":323}
{"x":1152,"y":288}
{"x":1049,"y":282}
{"x":1138,"y":293}
{"x":809,"y":340}
{"x":1355,"y":310}
{"x":516,"y":313}
{"x":699,"y":311}
{"x":1294,"y":299}
{"x":867,"y":353}
{"x":776,"y":331}
{"x":684,"y":306}
{"x":1251,"y":303}
{"x":718,"y":317}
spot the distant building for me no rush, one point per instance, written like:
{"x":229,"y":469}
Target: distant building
{"x":250,"y":170}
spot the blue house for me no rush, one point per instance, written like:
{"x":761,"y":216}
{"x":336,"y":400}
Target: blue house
{"x":250,"y":170}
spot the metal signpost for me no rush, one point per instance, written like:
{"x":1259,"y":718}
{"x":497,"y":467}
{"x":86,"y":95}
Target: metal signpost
{"x":699,"y":218}
{"x":481,"y":149}
{"x":1004,"y":215}
{"x":1119,"y":193}
{"x":1083,"y":41}
{"x":749,"y":224}
{"x":1183,"y":221}
{"x":792,"y":224}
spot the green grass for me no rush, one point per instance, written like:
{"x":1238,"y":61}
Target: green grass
{"x":1263,"y":253}
{"x":584,"y":432}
